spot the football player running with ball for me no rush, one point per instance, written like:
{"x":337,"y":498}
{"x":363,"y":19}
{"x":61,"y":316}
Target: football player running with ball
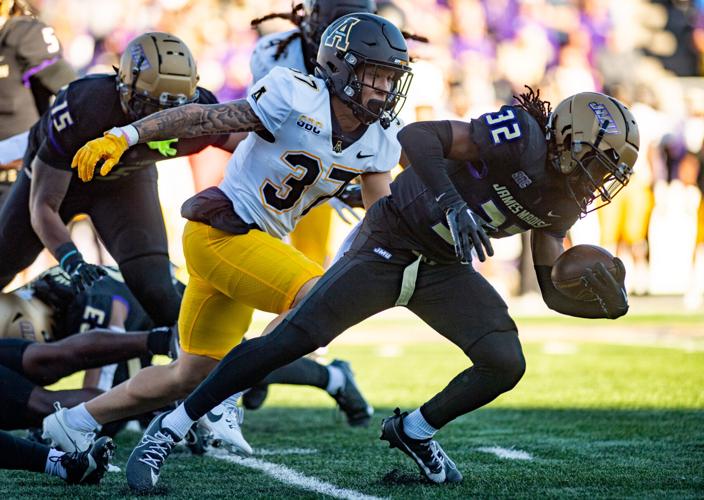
{"x":313,"y":135}
{"x":519,"y":169}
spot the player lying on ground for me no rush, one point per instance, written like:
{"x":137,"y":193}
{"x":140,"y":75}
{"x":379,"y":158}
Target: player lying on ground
{"x":49,"y":331}
{"x":414,"y":250}
{"x":235,"y":258}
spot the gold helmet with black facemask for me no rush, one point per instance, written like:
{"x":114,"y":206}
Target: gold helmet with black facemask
{"x":157,"y":71}
{"x":596,"y":143}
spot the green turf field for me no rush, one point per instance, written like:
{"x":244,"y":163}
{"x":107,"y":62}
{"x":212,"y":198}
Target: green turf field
{"x":587,"y":420}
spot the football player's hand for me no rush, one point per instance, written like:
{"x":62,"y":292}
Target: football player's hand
{"x":343,"y":209}
{"x":108,"y":148}
{"x":84,"y":275}
{"x":609,"y":290}
{"x":468,"y":230}
{"x":352,"y":196}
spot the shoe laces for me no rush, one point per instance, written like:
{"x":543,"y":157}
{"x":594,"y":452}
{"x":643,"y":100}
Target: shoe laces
{"x":432,"y":452}
{"x":234,"y":415}
{"x":158,"y":448}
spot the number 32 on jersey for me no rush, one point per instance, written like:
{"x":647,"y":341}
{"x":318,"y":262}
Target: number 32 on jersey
{"x":504,"y":126}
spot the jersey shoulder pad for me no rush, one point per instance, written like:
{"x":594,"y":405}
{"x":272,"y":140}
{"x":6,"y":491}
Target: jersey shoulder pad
{"x":282,"y":92}
{"x":263,"y":56}
{"x":509,"y":135}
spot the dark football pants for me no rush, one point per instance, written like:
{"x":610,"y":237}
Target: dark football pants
{"x":454,"y":299}
{"x":127,"y":216}
{"x":21,"y":454}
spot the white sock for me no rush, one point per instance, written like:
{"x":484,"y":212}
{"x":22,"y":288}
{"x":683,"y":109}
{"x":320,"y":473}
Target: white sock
{"x":415,"y":426}
{"x":79,"y":418}
{"x":336,"y":380}
{"x":53,"y":465}
{"x":178,"y":421}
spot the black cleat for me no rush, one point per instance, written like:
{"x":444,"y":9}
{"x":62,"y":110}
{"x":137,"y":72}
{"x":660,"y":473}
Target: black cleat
{"x":254,"y":398}
{"x":146,"y":460}
{"x":350,"y":399}
{"x":88,"y":467}
{"x":426,"y":453}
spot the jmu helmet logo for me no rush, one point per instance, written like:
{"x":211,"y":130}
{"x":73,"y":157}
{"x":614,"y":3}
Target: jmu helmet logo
{"x":139,"y":58}
{"x":602,"y":114}
{"x":340,"y":37}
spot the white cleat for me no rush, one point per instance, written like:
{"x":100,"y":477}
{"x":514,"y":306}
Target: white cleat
{"x":62,"y":436}
{"x":221,"y":425}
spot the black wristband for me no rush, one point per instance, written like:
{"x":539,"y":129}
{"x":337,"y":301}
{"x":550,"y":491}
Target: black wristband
{"x":159,"y":340}
{"x":68,"y":256}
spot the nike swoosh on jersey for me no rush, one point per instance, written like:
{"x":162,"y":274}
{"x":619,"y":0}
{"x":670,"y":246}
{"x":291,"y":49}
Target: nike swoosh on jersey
{"x":213,"y":417}
{"x":550,"y":214}
{"x":360,"y":155}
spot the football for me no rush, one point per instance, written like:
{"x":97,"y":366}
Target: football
{"x":568,"y":269}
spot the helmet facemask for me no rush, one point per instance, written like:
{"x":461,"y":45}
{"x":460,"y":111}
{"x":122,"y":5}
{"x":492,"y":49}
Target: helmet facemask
{"x":368,"y":74}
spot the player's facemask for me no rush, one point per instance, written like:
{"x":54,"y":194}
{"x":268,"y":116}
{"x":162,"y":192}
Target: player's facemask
{"x":371,"y":75}
{"x":597,"y":176}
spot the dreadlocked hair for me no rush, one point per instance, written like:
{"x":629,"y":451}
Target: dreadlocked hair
{"x":414,"y":37}
{"x":536,"y":107}
{"x":295,"y":16}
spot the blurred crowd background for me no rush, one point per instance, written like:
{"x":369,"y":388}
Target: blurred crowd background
{"x":481,"y":53}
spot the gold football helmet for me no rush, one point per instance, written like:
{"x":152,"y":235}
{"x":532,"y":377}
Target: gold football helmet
{"x":157,"y":71}
{"x":24,"y":317}
{"x":596,"y":145}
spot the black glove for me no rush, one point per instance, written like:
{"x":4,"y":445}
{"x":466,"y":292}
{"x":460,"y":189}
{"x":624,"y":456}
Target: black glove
{"x":468,"y":230}
{"x":352,"y":195}
{"x":609,"y":291}
{"x":82,"y":274}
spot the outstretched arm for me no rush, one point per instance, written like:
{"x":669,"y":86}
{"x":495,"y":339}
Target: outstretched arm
{"x":193,"y":120}
{"x":190,"y":120}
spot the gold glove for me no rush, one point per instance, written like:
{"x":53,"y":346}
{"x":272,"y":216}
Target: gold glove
{"x":108,"y":148}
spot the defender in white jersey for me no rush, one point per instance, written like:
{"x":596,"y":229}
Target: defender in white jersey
{"x":274,"y":183}
{"x":312,"y":136}
{"x":297,"y":49}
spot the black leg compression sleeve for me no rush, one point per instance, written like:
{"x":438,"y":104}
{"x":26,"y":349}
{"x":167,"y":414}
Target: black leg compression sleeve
{"x":149,"y":279}
{"x":303,"y":371}
{"x":12,"y":352}
{"x":498,"y":366}
{"x":247,"y":364}
{"x":21,"y":454}
{"x":15,"y":391}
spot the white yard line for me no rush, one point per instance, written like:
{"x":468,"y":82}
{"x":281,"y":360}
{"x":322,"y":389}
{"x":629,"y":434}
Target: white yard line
{"x":285,"y":451}
{"x":509,"y":453}
{"x":293,"y":478}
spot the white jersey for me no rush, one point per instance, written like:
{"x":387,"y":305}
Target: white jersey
{"x":274,"y":181}
{"x":262,"y":60}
